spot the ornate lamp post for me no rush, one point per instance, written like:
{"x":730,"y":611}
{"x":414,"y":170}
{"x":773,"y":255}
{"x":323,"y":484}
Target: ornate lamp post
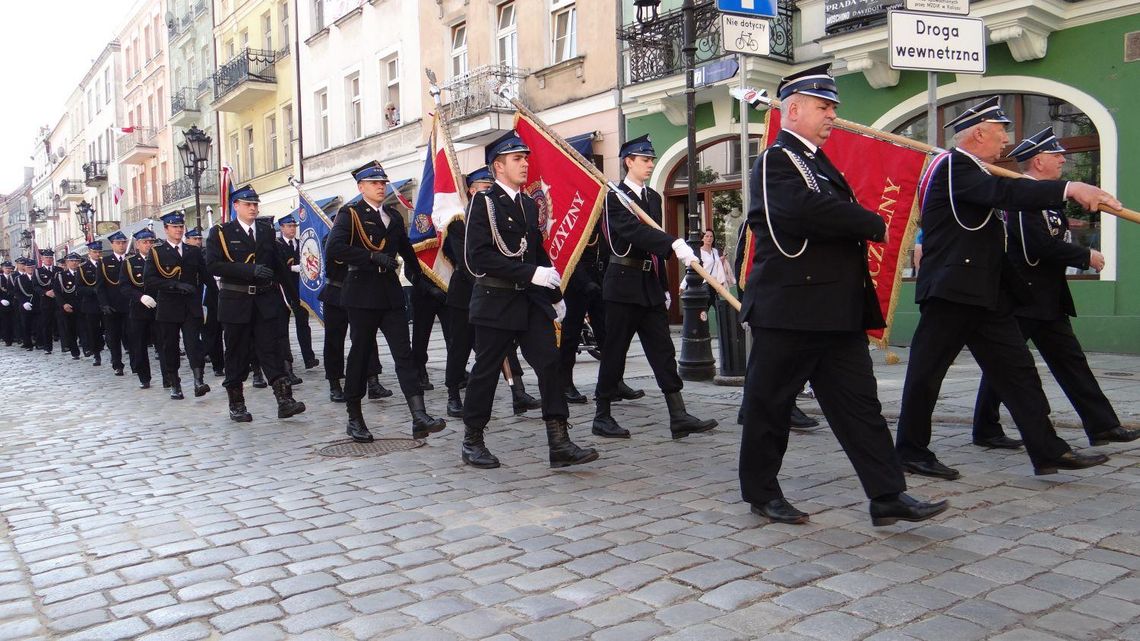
{"x":195,"y":154}
{"x":696,"y":361}
{"x":85,"y":213}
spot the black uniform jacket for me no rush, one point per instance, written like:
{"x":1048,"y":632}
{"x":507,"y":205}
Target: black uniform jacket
{"x":132,"y":281}
{"x":90,"y":281}
{"x":43,"y":280}
{"x":66,"y":287}
{"x":971,"y":267}
{"x":462,"y":282}
{"x":643,"y":284}
{"x":175,"y":306}
{"x":7,"y":291}
{"x":827,"y":287}
{"x":498,"y":306}
{"x":110,"y":291}
{"x":335,"y":273}
{"x":24,"y":290}
{"x":1040,"y":253}
{"x":357,"y":232}
{"x":291,"y":279}
{"x":232,"y":256}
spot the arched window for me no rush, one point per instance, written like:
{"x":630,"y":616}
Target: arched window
{"x":1031,"y":113}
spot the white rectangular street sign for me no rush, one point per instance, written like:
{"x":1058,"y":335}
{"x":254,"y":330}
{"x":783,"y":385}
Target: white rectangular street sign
{"x":932,"y":42}
{"x":751,"y":36}
{"x":956,"y":7}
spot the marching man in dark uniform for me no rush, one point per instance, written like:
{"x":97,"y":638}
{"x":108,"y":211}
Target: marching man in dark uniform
{"x":112,"y":302}
{"x":290,"y":247}
{"x":90,"y":313}
{"x":140,"y":308}
{"x":7,"y":303}
{"x":174,"y":275}
{"x":967,"y":288}
{"x":636,"y":293}
{"x":1040,"y":248}
{"x":25,"y":294}
{"x":809,"y":301}
{"x":243,"y":254}
{"x":66,"y":285}
{"x":516,"y":298}
{"x":367,"y":238}
{"x":48,"y":309}
{"x":211,"y":334}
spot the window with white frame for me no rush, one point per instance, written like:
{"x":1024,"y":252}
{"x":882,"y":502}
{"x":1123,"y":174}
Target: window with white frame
{"x":249,"y":151}
{"x":354,"y":127}
{"x":459,"y":49}
{"x":107,"y":84}
{"x":318,"y":15}
{"x":267,"y":31}
{"x":283,"y":16}
{"x":507,"y":36}
{"x":287,"y":122}
{"x":564,"y":31}
{"x":390,"y":83}
{"x":235,"y":154}
{"x":322,"y":108}
{"x":271,"y":142}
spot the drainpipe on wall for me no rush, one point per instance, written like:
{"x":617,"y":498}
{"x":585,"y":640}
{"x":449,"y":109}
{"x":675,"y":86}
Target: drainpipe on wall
{"x":299,"y":158}
{"x":620,"y":71}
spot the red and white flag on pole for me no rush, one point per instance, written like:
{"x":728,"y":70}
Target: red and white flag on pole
{"x":437,"y":204}
{"x":116,"y":194}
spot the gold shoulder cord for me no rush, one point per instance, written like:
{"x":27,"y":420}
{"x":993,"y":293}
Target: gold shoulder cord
{"x":83,"y":277}
{"x":173,"y":273}
{"x":131,"y":275}
{"x":358,"y":229}
{"x":103,"y":266}
{"x":226,"y":250}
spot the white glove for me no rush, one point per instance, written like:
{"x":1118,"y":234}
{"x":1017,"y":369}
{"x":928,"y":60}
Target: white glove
{"x":546,"y":277}
{"x":5,"y":303}
{"x":27,"y":307}
{"x":668,"y":300}
{"x":559,"y":311}
{"x":684,"y":253}
{"x":148,"y":301}
{"x":295,"y":269}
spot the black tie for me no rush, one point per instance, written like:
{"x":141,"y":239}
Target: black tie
{"x":645,"y":195}
{"x":250,"y":233}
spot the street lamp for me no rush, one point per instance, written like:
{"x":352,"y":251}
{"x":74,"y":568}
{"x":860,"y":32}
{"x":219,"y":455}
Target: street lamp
{"x":195,"y":154}
{"x":85,"y":212}
{"x":696,"y":361}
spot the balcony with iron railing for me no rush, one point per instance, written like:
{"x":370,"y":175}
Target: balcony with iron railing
{"x":95,"y":173}
{"x":244,"y":80}
{"x":183,"y":189}
{"x":137,"y":146}
{"x":72,"y":190}
{"x":654,"y":50}
{"x":184,"y":107}
{"x":474,"y":106}
{"x":138,"y":212}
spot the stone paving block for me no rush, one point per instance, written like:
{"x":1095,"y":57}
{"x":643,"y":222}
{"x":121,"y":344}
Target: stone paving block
{"x":987,"y":614}
{"x":25,"y":628}
{"x":437,"y":608}
{"x":885,"y":611}
{"x":941,"y":626}
{"x":1091,"y":571}
{"x":244,"y":617}
{"x":303,"y":583}
{"x":557,"y":629}
{"x":144,"y":571}
{"x":79,"y":621}
{"x":834,"y":626}
{"x":324,"y":617}
{"x":756,"y":621}
{"x":199,"y":575}
{"x":797,"y":574}
{"x":1066,"y":586}
{"x":309,"y":600}
{"x":538,"y":607}
{"x":261,"y":632}
{"x":731,"y":596}
{"x":244,"y":597}
{"x":709,"y":632}
{"x":71,"y":589}
{"x":138,"y":590}
{"x":710,"y":575}
{"x":613,"y":611}
{"x":1024,"y":599}
{"x":142,"y":606}
{"x":206,"y":589}
{"x":186,"y":632}
{"x":113,"y":631}
{"x":483,"y":623}
{"x":1108,"y":608}
{"x":855,"y":584}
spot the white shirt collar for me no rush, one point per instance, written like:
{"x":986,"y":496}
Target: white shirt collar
{"x":510,"y":191}
{"x":812,"y":148}
{"x":376,"y":206}
{"x":633,"y":185}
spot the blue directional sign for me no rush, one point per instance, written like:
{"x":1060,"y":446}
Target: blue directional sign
{"x":755,"y":8}
{"x":715,"y":71}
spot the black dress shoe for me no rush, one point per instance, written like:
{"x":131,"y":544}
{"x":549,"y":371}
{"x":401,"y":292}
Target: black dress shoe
{"x":802,"y":422}
{"x":119,"y":371}
{"x":312,"y":362}
{"x":904,"y":508}
{"x":1070,"y":461}
{"x":144,"y":384}
{"x":574,"y":396}
{"x":931,"y":468}
{"x":358,"y":430}
{"x":627,"y":393}
{"x":999,"y":442}
{"x":780,"y":511}
{"x":1117,"y":434}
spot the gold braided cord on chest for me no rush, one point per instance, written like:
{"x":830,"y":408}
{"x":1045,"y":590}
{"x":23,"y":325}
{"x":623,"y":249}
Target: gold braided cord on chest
{"x":103,"y":266}
{"x":226,"y":249}
{"x":174,"y":272}
{"x":83,"y":277}
{"x":131,"y":275}
{"x":358,"y":230}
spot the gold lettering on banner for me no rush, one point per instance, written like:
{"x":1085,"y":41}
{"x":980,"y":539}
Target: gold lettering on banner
{"x":876,"y":251}
{"x":566,"y":224}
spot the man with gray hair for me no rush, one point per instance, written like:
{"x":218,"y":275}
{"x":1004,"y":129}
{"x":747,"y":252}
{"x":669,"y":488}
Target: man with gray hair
{"x":967,"y":289}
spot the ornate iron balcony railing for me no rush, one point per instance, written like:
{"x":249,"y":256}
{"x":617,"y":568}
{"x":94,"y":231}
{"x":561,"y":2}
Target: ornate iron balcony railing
{"x":68,"y":186}
{"x":140,"y":137}
{"x":95,"y":171}
{"x":183,"y":188}
{"x":185,"y":99}
{"x":476,"y":91}
{"x":250,"y":64}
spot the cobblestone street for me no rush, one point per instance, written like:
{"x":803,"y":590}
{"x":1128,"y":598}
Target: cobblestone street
{"x":131,"y":516}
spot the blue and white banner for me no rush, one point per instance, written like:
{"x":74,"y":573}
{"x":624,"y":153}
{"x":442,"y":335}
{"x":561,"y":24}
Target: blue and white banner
{"x":312,"y":228}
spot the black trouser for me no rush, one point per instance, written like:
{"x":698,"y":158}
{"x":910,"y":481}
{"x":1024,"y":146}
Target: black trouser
{"x":459,"y":346}
{"x":258,"y":341}
{"x":7,"y":323}
{"x":69,"y":332}
{"x":492,"y":345}
{"x":1063,"y":354}
{"x":47,"y":324}
{"x":364,"y":353}
{"x":997,"y":345}
{"x":27,"y":323}
{"x":144,"y":331}
{"x":304,"y":333}
{"x":283,"y":333}
{"x":577,"y":305}
{"x":115,"y":325}
{"x":336,"y":328}
{"x":651,"y":324}
{"x":212,"y":344}
{"x":842,"y":376}
{"x":93,"y":327}
{"x":427,"y":308}
{"x":168,"y":334}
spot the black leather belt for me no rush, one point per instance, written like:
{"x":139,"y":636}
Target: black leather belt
{"x":252,"y":290}
{"x":643,"y":265}
{"x":334,"y":283}
{"x":378,"y":268}
{"x":498,"y":283}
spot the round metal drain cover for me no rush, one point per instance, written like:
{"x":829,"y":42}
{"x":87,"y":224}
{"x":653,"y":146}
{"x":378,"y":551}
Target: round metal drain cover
{"x":379,"y":447}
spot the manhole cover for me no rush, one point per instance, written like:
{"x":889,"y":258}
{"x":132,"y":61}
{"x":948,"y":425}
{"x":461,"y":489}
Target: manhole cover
{"x":379,"y":447}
